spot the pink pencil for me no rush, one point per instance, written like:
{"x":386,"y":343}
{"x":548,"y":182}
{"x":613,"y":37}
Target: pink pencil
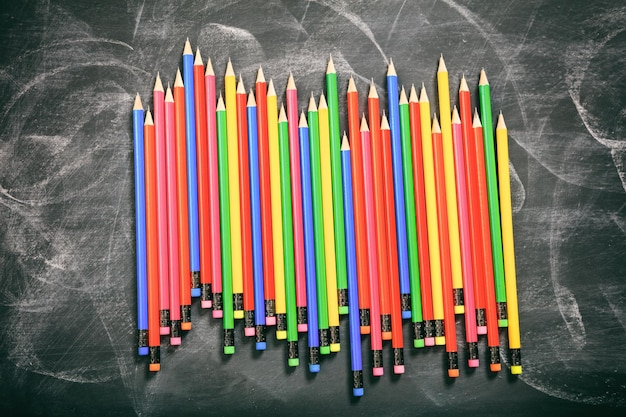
{"x":214,"y":192}
{"x":172,"y":218}
{"x":376,"y":340}
{"x":159,"y":131}
{"x":296,"y":201}
{"x":471,"y":335}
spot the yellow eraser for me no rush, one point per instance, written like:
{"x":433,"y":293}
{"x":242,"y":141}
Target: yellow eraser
{"x":459,"y":309}
{"x":335,"y":347}
{"x":440,"y":340}
{"x":516,"y":369}
{"x":281,"y":334}
{"x":238,"y":314}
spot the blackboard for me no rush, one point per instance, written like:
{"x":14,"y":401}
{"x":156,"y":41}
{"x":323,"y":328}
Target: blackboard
{"x":68,"y":73}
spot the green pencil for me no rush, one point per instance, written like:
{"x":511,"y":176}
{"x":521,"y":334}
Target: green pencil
{"x":290,"y":273}
{"x":335,"y":165}
{"x":227,"y":271}
{"x":484,"y":96}
{"x":411,"y":232}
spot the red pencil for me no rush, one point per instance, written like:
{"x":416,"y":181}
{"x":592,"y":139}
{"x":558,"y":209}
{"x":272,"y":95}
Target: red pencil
{"x":266,"y":199}
{"x":359,"y":208}
{"x":152,"y":248}
{"x":488,"y":283}
{"x":161,"y":206}
{"x":172,"y":218}
{"x":373,"y":107}
{"x":202,"y":159}
{"x":214,"y":192}
{"x":449,"y":322}
{"x":471,"y":175}
{"x":296,"y":202}
{"x":421,"y":221}
{"x":246,"y":217}
{"x":393,"y":277}
{"x":183,"y":216}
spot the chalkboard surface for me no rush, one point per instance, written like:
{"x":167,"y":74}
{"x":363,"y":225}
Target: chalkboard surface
{"x":68,"y":73}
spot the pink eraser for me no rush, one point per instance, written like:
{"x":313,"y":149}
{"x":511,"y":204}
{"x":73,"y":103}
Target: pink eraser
{"x":248,"y":331}
{"x":377,"y":371}
{"x":206,"y":304}
{"x":473,"y":363}
{"x":164,"y":331}
{"x":429,"y":341}
{"x":302,"y":328}
{"x":481,"y":330}
{"x":270,"y":321}
{"x":218,"y":314}
{"x":398,"y":369}
{"x":175,"y":341}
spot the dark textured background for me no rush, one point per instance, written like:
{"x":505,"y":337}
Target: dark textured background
{"x":68,"y":73}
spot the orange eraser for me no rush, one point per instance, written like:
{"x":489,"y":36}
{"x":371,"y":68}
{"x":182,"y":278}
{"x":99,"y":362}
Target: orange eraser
{"x":155,"y":367}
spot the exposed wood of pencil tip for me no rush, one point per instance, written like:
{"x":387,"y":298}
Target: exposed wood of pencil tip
{"x":345,"y":145}
{"x":137,"y":105}
{"x":178,"y":81}
{"x":240,"y":88}
{"x":187,"y":50}
{"x":282,"y":117}
{"x":312,"y":106}
{"x":330,"y":68}
{"x":198,"y":59}
{"x":423,"y":95}
{"x":463,"y":86}
{"x":149,"y":120}
{"x":501,"y":124}
{"x":391,"y":70}
{"x":364,"y":126}
{"x":323,"y":104}
{"x":291,"y":84}
{"x":384,"y":123}
{"x":230,"y":72}
{"x":271,"y":92}
{"x":413,"y":95}
{"x":436,"y":128}
{"x":158,"y":85}
{"x":251,"y":99}
{"x":209,"y":68}
{"x":260,"y":77}
{"x":455,"y":116}
{"x":403,"y":99}
{"x":220,"y":104}
{"x":373,"y":93}
{"x":483,"y":78}
{"x":303,"y":122}
{"x":168,"y":95}
{"x":476,"y":122}
{"x":351,"y":85}
{"x":442,"y":65}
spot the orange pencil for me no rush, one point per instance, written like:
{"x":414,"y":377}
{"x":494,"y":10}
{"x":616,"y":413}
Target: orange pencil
{"x":373,"y":107}
{"x":359,"y":207}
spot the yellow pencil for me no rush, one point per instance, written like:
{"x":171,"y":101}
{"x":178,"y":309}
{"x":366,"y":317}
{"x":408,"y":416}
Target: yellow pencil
{"x":230,"y":88}
{"x":508,"y":248}
{"x":431,"y":216}
{"x":277,"y":225}
{"x":448,"y":163}
{"x":329,"y":231}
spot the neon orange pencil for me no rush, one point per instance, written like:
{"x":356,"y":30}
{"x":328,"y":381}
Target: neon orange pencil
{"x":421,"y":220}
{"x":266,"y":199}
{"x":183,"y":213}
{"x":202,"y":157}
{"x":449,"y":322}
{"x":373,"y":107}
{"x":359,"y":207}
{"x":246,"y":217}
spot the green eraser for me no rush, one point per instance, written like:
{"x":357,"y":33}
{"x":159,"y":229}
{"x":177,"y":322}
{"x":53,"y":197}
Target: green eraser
{"x":325,"y":350}
{"x":503,"y":323}
{"x":293,"y":362}
{"x":418,"y":343}
{"x":343,"y":310}
{"x":229,"y":350}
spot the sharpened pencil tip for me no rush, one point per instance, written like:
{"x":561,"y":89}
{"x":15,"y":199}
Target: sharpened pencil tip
{"x":303,"y":122}
{"x":251,"y":100}
{"x":483,"y":78}
{"x":187,"y":50}
{"x":282,"y":117}
{"x":270,"y":89}
{"x":391,"y":70}
{"x":463,"y":86}
{"x":229,"y":69}
{"x":209,"y":68}
{"x":312,"y":106}
{"x":423,"y":95}
{"x":198,"y":60}
{"x":323,"y":104}
{"x":345,"y":145}
{"x":220,"y":104}
{"x":476,"y":122}
{"x":291,"y":84}
{"x":403,"y":99}
{"x":413,"y":95}
{"x":168,"y":94}
{"x":455,"y":116}
{"x":364,"y":126}
{"x":351,"y":85}
{"x":260,"y":77}
{"x":240,"y":88}
{"x":384,"y":123}
{"x":330,"y":68}
{"x":442,"y":65}
{"x":501,"y":124}
{"x":373,"y":93}
{"x":158,"y":85}
{"x":436,"y":128}
{"x":137,"y":105}
{"x":149,"y":120}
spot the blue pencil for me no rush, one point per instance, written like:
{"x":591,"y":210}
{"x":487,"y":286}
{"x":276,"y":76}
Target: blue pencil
{"x":192,"y":170}
{"x":140,"y":228}
{"x":353,"y":291}
{"x":398,"y":188}
{"x":257,"y":238}
{"x":309,"y":246}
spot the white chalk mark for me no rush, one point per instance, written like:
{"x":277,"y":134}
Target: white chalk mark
{"x":306,"y":9}
{"x":138,"y":18}
{"x":518,"y":192}
{"x":395,"y":22}
{"x":612,"y":298}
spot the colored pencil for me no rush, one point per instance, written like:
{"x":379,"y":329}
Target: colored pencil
{"x":398,"y":188}
{"x":202,"y":156}
{"x":353,"y":317}
{"x":444,"y":245}
{"x":214,"y":192}
{"x":359,"y":208}
{"x":266,"y":200}
{"x":411,"y":227}
{"x":277,"y":214}
{"x":230,"y":89}
{"x":318,"y":224}
{"x":296,"y":196}
{"x":172,"y":218}
{"x":508,"y":247}
{"x":246,"y":221}
{"x":152,"y":248}
{"x":373,"y":108}
{"x":397,"y":342}
{"x":223,"y":159}
{"x":183,"y":212}
{"x":335,"y":165}
{"x":488,"y":281}
{"x":473,"y":200}
{"x":140,"y":227}
{"x":421,"y":219}
{"x":161,"y":202}
{"x":255,"y":214}
{"x":309,"y":245}
{"x":376,"y":340}
{"x":288,"y":255}
{"x":328,"y":181}
{"x":471,"y":336}
{"x":484,"y":98}
{"x":432,"y":216}
{"x":192,"y":169}
{"x":443,"y":90}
